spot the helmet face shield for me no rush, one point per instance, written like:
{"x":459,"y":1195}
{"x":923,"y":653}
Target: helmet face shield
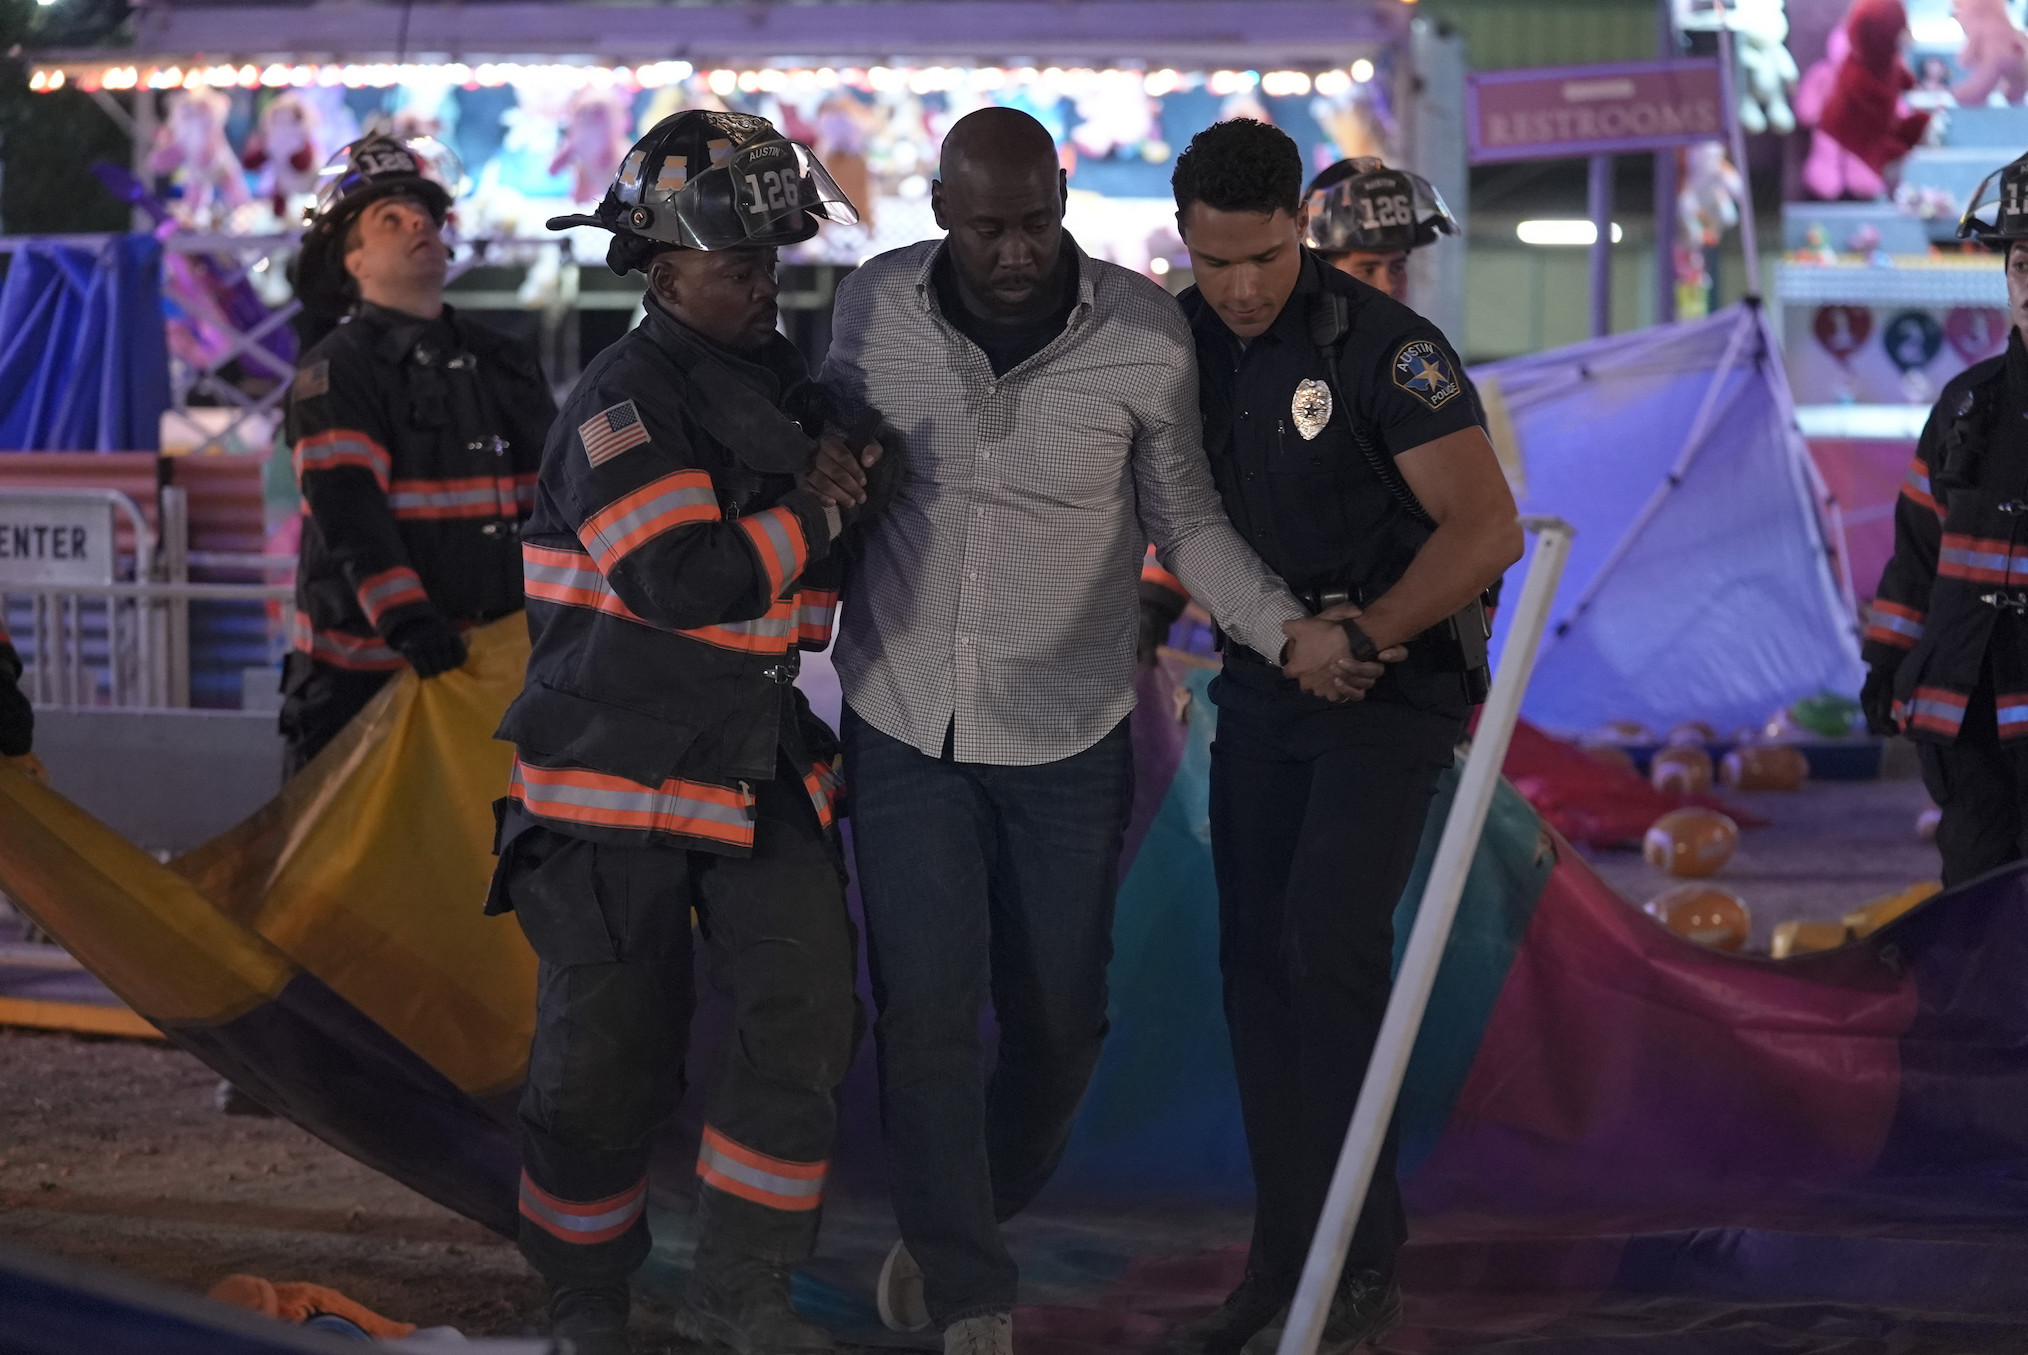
{"x":1998,"y":210}
{"x":375,"y":160}
{"x":772,"y":193}
{"x":1377,"y":211}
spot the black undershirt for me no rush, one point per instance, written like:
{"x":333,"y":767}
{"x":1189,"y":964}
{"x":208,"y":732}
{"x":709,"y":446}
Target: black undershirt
{"x":1007,"y":343}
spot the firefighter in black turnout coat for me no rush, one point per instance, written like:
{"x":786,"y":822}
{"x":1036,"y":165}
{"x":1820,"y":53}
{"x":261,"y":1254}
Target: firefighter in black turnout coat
{"x":1947,"y":643}
{"x":666,"y":764}
{"x":416,"y":435}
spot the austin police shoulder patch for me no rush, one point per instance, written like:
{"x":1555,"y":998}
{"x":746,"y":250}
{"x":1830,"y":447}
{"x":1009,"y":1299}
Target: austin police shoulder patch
{"x":1311,"y":407}
{"x":311,"y":381}
{"x":1421,"y":369}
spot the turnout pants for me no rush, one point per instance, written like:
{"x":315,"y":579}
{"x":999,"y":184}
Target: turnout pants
{"x":318,"y":701}
{"x":1981,"y":785}
{"x":611,"y":926}
{"x":1316,"y":815}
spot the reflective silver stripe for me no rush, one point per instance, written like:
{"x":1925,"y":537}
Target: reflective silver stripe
{"x":2012,"y":715}
{"x":790,"y":1186}
{"x":631,"y":1206}
{"x":443,"y":498}
{"x":650,"y":802}
{"x":1978,"y":559}
{"x":1942,"y":710}
{"x":1900,"y":625}
{"x":609,"y":533}
{"x":587,"y":578}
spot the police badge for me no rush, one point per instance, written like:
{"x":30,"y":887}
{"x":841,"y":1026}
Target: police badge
{"x":1311,"y":407}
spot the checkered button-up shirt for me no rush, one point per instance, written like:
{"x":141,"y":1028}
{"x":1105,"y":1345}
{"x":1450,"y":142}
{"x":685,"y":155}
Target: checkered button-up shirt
{"x":998,"y":597}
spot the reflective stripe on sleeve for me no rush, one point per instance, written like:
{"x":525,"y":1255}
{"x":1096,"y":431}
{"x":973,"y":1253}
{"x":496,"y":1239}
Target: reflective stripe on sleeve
{"x":341,"y":650}
{"x":738,"y":1170}
{"x":1937,"y":710}
{"x":1894,"y":624}
{"x":1915,"y":485}
{"x":2011,"y":709}
{"x":633,"y":520}
{"x":825,"y":786}
{"x":682,"y":808}
{"x":570,"y":579}
{"x":777,"y":537}
{"x":343,"y":447}
{"x":1979,"y":559}
{"x":583,"y":1223}
{"x":816,"y":612}
{"x":389,"y":589}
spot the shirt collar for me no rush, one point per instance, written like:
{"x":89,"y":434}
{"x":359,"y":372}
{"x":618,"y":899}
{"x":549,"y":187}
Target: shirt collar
{"x":398,"y":333}
{"x":767,"y":369}
{"x":1087,"y":291}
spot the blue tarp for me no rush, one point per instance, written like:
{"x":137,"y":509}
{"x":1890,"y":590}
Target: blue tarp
{"x":84,"y":353}
{"x":1700,"y":586}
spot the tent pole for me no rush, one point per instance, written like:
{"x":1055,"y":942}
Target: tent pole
{"x":1665,"y":189}
{"x":1749,"y":235}
{"x":1601,"y":246}
{"x":1426,"y":942}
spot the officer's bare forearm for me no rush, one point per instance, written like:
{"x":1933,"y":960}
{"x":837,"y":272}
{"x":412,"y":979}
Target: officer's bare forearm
{"x":1461,"y":559}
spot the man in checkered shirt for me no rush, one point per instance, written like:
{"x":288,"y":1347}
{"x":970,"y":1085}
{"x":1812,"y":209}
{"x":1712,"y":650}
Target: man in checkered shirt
{"x":1049,"y":406}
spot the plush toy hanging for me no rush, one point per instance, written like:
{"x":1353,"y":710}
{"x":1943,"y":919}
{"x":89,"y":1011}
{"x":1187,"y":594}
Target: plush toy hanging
{"x":1831,"y":172}
{"x":594,"y":140}
{"x":1864,"y":113}
{"x":1766,"y":70}
{"x":191,"y":146}
{"x":1995,"y":54}
{"x":283,"y":153}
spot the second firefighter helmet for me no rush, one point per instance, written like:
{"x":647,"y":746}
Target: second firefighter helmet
{"x":2002,"y":197}
{"x":701,"y":179}
{"x":1365,"y":206}
{"x":374,"y":167}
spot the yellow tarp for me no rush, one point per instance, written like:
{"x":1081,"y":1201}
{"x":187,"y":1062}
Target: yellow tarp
{"x":368,"y":871}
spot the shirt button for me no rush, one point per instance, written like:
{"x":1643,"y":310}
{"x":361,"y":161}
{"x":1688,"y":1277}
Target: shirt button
{"x":971,"y":573}
{"x":978,"y":512}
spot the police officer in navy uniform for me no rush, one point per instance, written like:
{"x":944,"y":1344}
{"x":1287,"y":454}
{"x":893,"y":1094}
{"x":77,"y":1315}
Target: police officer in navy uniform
{"x":1349,"y":456}
{"x":680,"y":554}
{"x":416,"y":435}
{"x":1947,"y":642}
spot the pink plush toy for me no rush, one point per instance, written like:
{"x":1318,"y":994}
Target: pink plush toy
{"x":191,"y":146}
{"x":1995,"y":54}
{"x":594,"y":140}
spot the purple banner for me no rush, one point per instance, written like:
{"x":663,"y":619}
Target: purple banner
{"x":1594,"y":110}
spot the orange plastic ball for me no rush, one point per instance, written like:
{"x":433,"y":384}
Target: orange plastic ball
{"x":1691,"y":843}
{"x":1682,"y":771}
{"x":1710,"y":917}
{"x":1764,"y":767}
{"x":1691,"y":734}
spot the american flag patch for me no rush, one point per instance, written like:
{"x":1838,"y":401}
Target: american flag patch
{"x":611,"y":431}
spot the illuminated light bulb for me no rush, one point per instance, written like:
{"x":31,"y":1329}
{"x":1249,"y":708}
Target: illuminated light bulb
{"x":1561,"y":232}
{"x":1157,"y":83}
{"x":1285,"y":84}
{"x":1159,"y":266}
{"x":722,"y":82}
{"x":39,"y":81}
{"x":1332,"y":84}
{"x":1362,"y":71}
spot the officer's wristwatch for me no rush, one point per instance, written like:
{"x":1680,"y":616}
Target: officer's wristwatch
{"x":1363,"y":648}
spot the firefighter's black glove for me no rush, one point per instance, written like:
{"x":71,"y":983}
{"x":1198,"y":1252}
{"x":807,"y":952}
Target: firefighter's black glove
{"x":1876,"y":699}
{"x":17,"y":720}
{"x":431,"y":645}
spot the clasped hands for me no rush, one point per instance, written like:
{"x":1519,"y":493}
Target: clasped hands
{"x":836,"y":475}
{"x":1319,"y":656}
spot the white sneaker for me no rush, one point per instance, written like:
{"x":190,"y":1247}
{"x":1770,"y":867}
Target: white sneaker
{"x":986,"y":1334}
{"x":899,"y":1294}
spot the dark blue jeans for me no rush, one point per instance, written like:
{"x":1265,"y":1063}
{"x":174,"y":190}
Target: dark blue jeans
{"x":982,"y":881}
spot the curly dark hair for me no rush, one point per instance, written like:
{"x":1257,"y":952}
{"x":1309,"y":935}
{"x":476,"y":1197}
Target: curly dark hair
{"x":1242,"y":165}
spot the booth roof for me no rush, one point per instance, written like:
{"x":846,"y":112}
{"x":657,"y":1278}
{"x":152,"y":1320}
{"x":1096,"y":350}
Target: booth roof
{"x":1295,"y":33}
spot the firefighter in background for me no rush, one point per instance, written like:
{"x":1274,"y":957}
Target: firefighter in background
{"x":416,"y":436}
{"x":1947,"y":646}
{"x":681,"y":551}
{"x":17,"y":717}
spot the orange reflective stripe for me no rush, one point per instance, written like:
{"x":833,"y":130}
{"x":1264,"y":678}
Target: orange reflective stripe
{"x":1915,"y":485}
{"x":772,"y":1181}
{"x":632,"y":520}
{"x":477,"y":496}
{"x":1894,"y":624}
{"x":583,"y":1223}
{"x":1980,"y":559}
{"x":389,"y":589}
{"x":570,"y":579}
{"x":682,"y":808}
{"x":343,"y":447}
{"x":816,"y":612}
{"x":340,"y":650}
{"x":777,"y":537}
{"x":825,"y":786}
{"x":1936,"y":709}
